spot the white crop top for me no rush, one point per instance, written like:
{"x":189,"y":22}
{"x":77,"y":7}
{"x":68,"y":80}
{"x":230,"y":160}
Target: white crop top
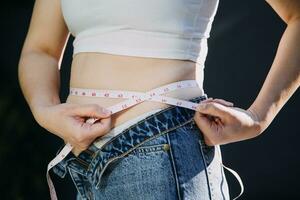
{"x":174,"y":29}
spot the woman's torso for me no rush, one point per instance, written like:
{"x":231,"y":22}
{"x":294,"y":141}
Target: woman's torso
{"x":137,"y":45}
{"x":111,"y":71}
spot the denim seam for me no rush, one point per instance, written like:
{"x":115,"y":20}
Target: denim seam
{"x":74,"y":168}
{"x":174,"y":169}
{"x":83,"y":196}
{"x":152,"y":145}
{"x":87,"y":166}
{"x":142,"y":149}
{"x":127,"y":152}
{"x":151,"y":116}
{"x":136,"y":124}
{"x":82,"y":162}
{"x":205,"y":169}
{"x":94,"y":155}
{"x":62,"y":167}
{"x":133,"y":125}
{"x":89,"y":152}
{"x":110,"y":141}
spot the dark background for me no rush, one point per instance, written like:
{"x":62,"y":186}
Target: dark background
{"x":242,"y":46}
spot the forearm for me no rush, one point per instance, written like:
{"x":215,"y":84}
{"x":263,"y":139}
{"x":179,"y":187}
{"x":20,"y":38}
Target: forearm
{"x":39,"y":79}
{"x":283,"y":78}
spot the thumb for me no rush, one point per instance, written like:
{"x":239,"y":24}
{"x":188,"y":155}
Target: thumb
{"x":204,"y":124}
{"x":91,"y":110}
{"x":214,"y":109}
{"x":100,"y":128}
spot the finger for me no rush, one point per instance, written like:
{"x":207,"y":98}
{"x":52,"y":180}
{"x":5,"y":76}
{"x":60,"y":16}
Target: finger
{"x":221,"y":101}
{"x":86,"y":133}
{"x":204,"y":124}
{"x":207,"y":100}
{"x":212,"y":131}
{"x":91,"y":120}
{"x":207,"y":141}
{"x":214,"y":109}
{"x":100,"y":128}
{"x":91,"y":110}
{"x":224,"y":102}
{"x":218,"y":121}
{"x":210,"y":99}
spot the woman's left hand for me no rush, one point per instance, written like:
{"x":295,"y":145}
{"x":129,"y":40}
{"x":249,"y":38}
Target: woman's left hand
{"x":221,"y":123}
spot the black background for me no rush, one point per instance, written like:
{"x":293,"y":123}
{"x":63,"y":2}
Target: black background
{"x":243,"y":43}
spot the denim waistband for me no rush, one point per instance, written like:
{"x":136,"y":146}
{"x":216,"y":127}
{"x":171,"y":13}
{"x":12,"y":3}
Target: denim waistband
{"x":92,"y":162}
{"x":118,"y":129}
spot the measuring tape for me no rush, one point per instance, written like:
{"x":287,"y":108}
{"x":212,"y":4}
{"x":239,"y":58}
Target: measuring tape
{"x":134,"y":98}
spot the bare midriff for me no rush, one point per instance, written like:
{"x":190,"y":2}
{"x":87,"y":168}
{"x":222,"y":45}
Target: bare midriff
{"x":119,"y":72}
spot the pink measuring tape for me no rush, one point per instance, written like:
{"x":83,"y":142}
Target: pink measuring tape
{"x":133,"y":98}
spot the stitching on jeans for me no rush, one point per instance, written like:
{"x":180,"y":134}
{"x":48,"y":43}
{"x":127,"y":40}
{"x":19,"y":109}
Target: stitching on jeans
{"x":139,"y":122}
{"x":127,"y":152}
{"x":82,"y":162}
{"x":200,"y":98}
{"x":149,"y":148}
{"x":155,"y":136}
{"x":89,"y":152}
{"x":205,"y":169}
{"x":174,"y":169}
{"x":83,"y":196}
{"x":150,"y":116}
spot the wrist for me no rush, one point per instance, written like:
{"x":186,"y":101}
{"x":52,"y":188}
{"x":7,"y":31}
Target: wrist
{"x":259,"y":120}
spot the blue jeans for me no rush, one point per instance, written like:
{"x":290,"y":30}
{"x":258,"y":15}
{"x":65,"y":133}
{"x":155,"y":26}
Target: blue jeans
{"x":162,"y":157}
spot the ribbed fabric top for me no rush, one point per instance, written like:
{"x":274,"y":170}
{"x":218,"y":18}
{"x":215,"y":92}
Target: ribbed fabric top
{"x":174,"y":29}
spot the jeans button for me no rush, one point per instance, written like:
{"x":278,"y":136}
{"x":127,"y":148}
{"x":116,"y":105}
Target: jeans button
{"x":166,"y":147}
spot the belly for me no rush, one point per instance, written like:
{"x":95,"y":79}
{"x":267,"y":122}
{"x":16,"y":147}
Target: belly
{"x":118,"y":72}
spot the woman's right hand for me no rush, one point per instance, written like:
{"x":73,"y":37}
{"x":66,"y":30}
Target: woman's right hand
{"x":68,"y":121}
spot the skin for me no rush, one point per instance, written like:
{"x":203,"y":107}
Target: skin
{"x":218,"y":119}
{"x":223,"y":125}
